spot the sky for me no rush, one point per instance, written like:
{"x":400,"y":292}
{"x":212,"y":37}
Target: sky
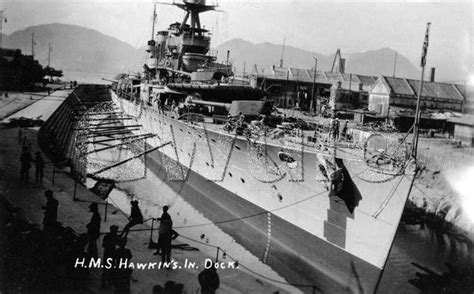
{"x":312,"y":25}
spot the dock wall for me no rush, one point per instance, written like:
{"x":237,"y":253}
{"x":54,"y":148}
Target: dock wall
{"x":57,"y":136}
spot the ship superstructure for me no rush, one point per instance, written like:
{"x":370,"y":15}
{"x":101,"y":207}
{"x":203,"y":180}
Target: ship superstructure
{"x":182,"y":51}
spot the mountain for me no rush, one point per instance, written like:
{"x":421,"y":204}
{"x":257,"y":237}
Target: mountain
{"x":76,"y":48}
{"x":79,"y":49}
{"x":374,"y":62}
{"x":381,"y":62}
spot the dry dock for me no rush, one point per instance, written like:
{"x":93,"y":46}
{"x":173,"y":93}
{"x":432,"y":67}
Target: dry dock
{"x":28,"y":200}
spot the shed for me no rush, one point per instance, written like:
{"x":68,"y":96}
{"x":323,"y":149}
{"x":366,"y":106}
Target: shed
{"x":464,"y":129}
{"x":400,"y":92}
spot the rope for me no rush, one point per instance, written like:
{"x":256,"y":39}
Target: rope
{"x":385,"y":202}
{"x":253,"y":215}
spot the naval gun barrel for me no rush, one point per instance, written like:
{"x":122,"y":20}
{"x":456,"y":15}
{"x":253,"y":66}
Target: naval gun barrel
{"x":210,"y":103}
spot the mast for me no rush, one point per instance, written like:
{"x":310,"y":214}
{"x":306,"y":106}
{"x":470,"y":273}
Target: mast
{"x":282,"y":52}
{"x":153,"y":25}
{"x":418,"y":111}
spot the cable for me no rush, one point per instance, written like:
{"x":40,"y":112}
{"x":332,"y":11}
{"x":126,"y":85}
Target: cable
{"x":256,"y":214}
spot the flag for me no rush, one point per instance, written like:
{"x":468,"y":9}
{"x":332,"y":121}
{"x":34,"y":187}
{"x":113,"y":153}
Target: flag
{"x":424,"y":51}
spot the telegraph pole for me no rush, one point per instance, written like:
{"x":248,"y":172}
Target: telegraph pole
{"x":2,"y":19}
{"x":33,"y":45}
{"x":314,"y":84}
{"x":49,"y":53}
{"x":395,"y":64}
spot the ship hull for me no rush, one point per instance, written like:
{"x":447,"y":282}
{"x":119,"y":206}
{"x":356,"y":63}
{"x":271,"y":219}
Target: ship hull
{"x":303,"y":259}
{"x":279,"y":211}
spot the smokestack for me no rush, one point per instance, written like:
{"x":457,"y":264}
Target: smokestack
{"x":432,"y":76}
{"x":228,"y":54}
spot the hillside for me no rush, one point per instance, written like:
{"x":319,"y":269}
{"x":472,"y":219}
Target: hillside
{"x":79,"y":49}
{"x":76,"y":48}
{"x":374,"y":62}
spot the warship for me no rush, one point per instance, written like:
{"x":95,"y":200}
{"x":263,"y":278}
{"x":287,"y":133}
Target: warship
{"x":302,"y":201}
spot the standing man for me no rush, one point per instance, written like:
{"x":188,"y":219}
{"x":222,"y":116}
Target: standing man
{"x":166,"y":224}
{"x":109,"y":244}
{"x":39,"y":167}
{"x":165,"y":236}
{"x":164,"y":244}
{"x":25,"y":165}
{"x":50,"y":210}
{"x":93,"y":230}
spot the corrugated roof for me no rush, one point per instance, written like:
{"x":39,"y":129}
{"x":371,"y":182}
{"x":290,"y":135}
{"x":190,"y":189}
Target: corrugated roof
{"x":467,"y":119}
{"x":399,"y":86}
{"x":306,"y":75}
{"x":367,"y":80}
{"x":409,"y":87}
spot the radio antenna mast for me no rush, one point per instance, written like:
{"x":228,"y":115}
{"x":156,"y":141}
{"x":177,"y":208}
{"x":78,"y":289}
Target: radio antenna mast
{"x":282,"y":51}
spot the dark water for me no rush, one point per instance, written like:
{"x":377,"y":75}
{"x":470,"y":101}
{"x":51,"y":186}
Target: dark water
{"x":426,"y":248}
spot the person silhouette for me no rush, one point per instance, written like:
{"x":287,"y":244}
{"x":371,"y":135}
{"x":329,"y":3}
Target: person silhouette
{"x":93,"y":230}
{"x":39,"y":167}
{"x":209,"y":280}
{"x":25,"y":164}
{"x":135,"y":218}
{"x":50,"y":210}
{"x":109,"y":243}
{"x":166,"y":224}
